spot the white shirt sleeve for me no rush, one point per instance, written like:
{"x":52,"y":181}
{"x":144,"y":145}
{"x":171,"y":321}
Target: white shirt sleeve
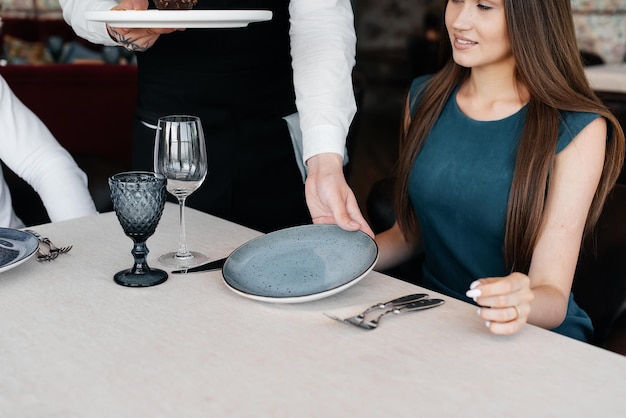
{"x":323,"y":50}
{"x":74,"y":15}
{"x":28,"y":148}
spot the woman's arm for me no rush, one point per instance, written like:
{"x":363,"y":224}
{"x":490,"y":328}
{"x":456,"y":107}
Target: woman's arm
{"x":541,"y":297}
{"x":393,"y":248}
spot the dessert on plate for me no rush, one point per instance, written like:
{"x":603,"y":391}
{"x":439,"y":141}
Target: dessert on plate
{"x":174,"y":4}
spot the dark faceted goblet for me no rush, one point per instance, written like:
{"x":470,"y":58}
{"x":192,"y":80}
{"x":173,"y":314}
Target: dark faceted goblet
{"x":138,"y":198}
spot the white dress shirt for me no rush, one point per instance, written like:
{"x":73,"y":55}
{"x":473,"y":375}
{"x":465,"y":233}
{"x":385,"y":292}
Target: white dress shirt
{"x":28,"y":148}
{"x":323,"y":49}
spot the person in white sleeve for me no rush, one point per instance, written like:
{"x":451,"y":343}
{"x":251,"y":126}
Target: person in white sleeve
{"x":275,"y":99}
{"x":28,"y":148}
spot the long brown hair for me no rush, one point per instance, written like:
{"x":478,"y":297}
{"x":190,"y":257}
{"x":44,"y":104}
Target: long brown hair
{"x":548,"y":64}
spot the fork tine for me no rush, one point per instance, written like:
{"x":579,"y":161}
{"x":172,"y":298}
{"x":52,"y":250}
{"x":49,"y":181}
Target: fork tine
{"x":55,"y":249}
{"x":46,"y":257}
{"x":64,"y":250}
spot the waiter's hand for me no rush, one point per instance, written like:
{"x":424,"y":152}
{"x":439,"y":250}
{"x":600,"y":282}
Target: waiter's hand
{"x":329,"y":198}
{"x":135,"y":39}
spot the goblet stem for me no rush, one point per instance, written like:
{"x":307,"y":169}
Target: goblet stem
{"x":183,"y":252}
{"x":140,"y":253}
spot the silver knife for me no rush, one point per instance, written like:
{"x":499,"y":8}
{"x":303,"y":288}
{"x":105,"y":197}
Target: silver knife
{"x":212,"y":265}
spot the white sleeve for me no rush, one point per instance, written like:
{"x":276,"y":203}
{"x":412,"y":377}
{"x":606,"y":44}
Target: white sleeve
{"x":74,"y":15}
{"x":29,"y":149}
{"x":323,"y":50}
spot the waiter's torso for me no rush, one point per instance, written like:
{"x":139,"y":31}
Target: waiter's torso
{"x":214,"y":71}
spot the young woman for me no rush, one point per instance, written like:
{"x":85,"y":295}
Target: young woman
{"x":506,"y":161}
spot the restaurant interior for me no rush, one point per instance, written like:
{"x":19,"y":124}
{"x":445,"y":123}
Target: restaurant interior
{"x":58,"y":75}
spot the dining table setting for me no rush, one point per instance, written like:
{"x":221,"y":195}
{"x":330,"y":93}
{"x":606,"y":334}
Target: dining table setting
{"x":156,"y":309}
{"x":76,"y":343}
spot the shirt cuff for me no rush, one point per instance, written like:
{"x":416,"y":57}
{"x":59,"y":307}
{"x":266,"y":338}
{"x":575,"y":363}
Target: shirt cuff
{"x":323,"y":139}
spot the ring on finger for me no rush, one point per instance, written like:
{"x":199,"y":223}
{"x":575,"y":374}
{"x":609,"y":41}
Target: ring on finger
{"x":517,"y":312}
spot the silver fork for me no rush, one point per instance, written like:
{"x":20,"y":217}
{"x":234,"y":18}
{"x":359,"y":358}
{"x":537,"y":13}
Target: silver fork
{"x":359,"y":318}
{"x":41,"y":256}
{"x":397,"y":310}
{"x":54,"y":249}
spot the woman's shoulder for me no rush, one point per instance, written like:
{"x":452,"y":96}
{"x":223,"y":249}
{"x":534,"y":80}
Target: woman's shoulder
{"x":572,"y":123}
{"x":416,"y":92}
{"x":420,"y":83}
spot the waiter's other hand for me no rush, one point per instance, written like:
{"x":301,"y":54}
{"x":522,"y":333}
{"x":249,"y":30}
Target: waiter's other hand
{"x":328,"y":196}
{"x":135,"y":39}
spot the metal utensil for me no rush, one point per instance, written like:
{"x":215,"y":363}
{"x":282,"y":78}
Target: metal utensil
{"x":54,"y":250}
{"x":213,"y":265}
{"x":359,"y":318}
{"x":396,"y":310}
{"x":41,"y":256}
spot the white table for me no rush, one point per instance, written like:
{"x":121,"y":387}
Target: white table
{"x":608,"y":78}
{"x":75,"y":344}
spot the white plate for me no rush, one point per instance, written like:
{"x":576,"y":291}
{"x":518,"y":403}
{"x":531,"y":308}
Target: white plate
{"x":179,"y":18}
{"x":300,"y":264}
{"x":15,"y":247}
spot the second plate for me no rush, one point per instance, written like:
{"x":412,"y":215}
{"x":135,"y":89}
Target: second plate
{"x":179,"y":18}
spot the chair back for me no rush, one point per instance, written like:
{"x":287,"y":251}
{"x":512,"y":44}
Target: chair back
{"x":600,"y":280}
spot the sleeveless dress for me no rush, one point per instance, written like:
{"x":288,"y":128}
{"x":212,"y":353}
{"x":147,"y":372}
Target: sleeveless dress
{"x":459,"y":187}
{"x":239,"y":82}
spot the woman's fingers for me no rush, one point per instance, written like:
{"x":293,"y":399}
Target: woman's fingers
{"x":505,"y":302}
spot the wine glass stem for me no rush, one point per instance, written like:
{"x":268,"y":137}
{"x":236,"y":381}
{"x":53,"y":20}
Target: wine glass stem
{"x":182,"y":247}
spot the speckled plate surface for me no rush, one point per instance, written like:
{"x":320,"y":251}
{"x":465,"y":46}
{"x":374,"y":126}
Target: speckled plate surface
{"x":300,"y":264}
{"x":15,"y":247}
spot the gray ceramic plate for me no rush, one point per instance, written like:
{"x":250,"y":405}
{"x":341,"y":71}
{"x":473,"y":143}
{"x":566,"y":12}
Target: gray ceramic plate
{"x":15,"y":247}
{"x":300,"y":264}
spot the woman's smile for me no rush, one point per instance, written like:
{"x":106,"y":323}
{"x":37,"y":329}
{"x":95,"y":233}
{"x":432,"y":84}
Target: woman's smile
{"x":463,"y":43}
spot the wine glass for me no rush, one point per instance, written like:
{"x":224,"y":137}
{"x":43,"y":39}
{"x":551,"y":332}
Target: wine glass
{"x":138,"y":199}
{"x":180,"y":155}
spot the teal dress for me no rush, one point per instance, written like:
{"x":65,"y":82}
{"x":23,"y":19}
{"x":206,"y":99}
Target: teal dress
{"x":459,"y":187}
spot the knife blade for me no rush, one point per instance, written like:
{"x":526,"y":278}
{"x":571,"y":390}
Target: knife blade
{"x":212,"y":265}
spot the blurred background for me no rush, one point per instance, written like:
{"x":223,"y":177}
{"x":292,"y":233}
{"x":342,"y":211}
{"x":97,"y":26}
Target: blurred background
{"x":397,"y":41}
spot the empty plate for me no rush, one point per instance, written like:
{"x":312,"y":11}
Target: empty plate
{"x":300,"y":264}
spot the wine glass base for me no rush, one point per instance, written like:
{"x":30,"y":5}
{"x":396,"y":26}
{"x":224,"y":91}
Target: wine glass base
{"x":172,"y":260}
{"x":150,"y":278}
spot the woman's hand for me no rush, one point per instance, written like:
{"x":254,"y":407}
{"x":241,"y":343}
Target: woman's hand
{"x":504,"y":302}
{"x":135,"y":39}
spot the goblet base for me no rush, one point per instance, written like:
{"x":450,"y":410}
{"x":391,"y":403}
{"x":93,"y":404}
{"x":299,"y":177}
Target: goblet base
{"x":173,"y":260}
{"x":149,"y":278}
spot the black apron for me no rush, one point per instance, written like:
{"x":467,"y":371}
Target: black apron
{"x":240,"y":83}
